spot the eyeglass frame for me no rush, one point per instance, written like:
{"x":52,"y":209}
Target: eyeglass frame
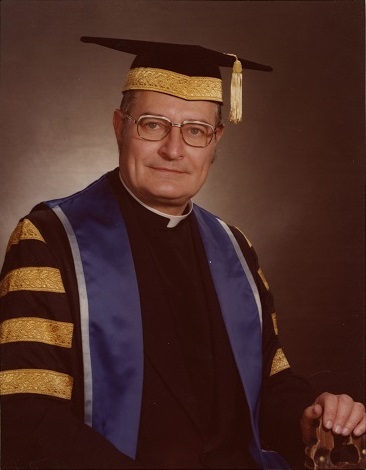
{"x":173,"y":124}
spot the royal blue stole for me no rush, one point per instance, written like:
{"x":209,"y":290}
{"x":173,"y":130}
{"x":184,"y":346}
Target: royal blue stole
{"x":110,"y":313}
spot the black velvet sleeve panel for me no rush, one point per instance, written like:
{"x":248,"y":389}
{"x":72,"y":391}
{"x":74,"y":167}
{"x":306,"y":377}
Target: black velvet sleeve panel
{"x":270,"y":339}
{"x":284,"y":394}
{"x":41,"y":429}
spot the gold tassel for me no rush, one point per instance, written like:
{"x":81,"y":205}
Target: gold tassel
{"x":236,"y":104}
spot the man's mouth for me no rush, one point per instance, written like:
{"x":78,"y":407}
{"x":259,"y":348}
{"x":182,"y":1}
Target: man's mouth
{"x":169,"y":170}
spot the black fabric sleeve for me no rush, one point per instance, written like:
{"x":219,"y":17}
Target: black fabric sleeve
{"x":284,"y":394}
{"x":42,"y":417}
{"x":42,"y":433}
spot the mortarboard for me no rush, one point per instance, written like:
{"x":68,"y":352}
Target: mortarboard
{"x":186,"y":71}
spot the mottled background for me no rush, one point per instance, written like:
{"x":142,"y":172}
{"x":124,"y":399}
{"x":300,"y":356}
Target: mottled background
{"x":291,"y":175}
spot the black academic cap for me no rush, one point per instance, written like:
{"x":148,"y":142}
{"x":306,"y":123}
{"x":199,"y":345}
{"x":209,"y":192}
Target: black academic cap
{"x":190,"y":72}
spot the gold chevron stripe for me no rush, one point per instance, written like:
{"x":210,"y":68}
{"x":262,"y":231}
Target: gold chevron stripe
{"x":35,"y":329}
{"x":274,"y":321}
{"x":264,"y":280}
{"x":34,"y":279}
{"x":279,"y":362}
{"x":40,"y":381}
{"x":246,"y":238}
{"x":25,"y":230}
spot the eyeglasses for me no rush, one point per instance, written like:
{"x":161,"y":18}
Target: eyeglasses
{"x":155,"y":128}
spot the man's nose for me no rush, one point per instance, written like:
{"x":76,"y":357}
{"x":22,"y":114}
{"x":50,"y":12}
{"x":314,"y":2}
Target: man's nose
{"x":173,"y":145}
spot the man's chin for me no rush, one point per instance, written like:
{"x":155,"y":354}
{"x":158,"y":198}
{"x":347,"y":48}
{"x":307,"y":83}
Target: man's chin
{"x":168,"y":201}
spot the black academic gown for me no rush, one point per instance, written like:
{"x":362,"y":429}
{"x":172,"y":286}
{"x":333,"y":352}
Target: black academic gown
{"x":194,"y":412}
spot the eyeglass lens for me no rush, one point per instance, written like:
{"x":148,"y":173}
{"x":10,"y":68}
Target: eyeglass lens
{"x":193,"y":133}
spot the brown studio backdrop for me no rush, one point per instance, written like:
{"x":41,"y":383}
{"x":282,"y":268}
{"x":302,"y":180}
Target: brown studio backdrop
{"x":290,"y":176}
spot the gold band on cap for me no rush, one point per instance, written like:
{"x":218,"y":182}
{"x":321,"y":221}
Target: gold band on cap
{"x":176,"y":84}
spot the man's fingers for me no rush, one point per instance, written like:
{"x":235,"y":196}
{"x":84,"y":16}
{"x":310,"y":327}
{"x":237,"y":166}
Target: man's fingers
{"x":356,"y":421}
{"x":329,"y":405}
{"x":313,"y":412}
{"x":309,"y":422}
{"x":342,"y":414}
{"x":339,"y":413}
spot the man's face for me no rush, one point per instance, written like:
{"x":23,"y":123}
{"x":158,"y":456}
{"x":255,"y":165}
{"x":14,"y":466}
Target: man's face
{"x":165,"y":174}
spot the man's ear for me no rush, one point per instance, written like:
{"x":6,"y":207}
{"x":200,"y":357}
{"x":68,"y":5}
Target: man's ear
{"x":219,"y":133}
{"x":118,"y":123}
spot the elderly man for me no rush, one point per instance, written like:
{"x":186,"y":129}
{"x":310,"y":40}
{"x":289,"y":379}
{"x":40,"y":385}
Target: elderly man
{"x":138,"y":330}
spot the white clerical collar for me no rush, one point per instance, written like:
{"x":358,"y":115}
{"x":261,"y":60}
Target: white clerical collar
{"x":173,"y":219}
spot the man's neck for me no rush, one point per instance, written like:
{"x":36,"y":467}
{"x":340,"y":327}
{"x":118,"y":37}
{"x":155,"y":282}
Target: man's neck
{"x":173,"y":219}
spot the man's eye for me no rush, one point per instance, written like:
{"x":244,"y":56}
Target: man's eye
{"x":151,"y":125}
{"x":196,"y":131}
{"x":154,"y":125}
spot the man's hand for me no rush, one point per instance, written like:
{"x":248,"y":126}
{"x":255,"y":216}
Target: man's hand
{"x":339,"y":413}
